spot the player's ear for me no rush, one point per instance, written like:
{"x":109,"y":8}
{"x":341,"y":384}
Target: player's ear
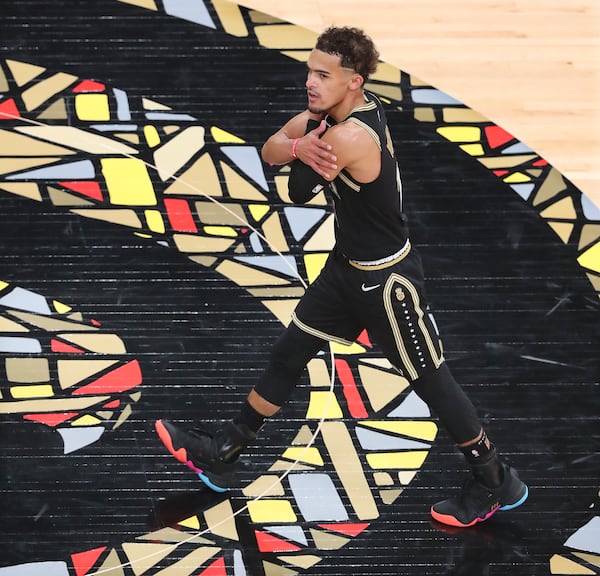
{"x":356,"y":81}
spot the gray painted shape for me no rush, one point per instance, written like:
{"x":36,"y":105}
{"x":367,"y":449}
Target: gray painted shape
{"x":191,"y":10}
{"x":247,"y":159}
{"x":317,"y":498}
{"x":371,"y":440}
{"x":20,"y":345}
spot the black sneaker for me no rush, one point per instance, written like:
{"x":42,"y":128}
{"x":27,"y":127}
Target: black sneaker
{"x":477,"y":502}
{"x":210,"y":456}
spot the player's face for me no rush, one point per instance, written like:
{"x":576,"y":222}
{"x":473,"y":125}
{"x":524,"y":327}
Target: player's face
{"x":327,"y":82}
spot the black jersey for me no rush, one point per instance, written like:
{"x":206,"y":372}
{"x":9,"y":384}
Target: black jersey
{"x":370,"y":224}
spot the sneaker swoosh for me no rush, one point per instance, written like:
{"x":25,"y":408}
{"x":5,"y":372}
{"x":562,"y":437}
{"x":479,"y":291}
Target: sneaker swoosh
{"x":366,"y":288}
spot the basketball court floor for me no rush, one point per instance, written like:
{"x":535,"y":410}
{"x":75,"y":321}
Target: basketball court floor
{"x":150,"y":259}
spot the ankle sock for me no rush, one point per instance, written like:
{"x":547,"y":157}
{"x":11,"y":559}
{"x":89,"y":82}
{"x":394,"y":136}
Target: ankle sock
{"x":250,"y":418}
{"x":478,"y":452}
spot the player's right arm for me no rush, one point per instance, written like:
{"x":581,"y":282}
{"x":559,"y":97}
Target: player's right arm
{"x":292,"y":142}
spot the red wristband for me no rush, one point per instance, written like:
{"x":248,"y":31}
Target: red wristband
{"x":294,"y":144}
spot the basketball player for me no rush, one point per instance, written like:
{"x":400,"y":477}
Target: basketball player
{"x":373,"y":279}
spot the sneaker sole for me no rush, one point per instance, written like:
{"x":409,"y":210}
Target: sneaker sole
{"x":452,"y":521}
{"x":180,"y":455}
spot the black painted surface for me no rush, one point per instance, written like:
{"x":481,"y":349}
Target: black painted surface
{"x":502,"y":286}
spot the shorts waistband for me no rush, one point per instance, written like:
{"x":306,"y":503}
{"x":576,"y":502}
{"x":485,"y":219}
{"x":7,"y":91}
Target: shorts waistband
{"x":382,"y":262}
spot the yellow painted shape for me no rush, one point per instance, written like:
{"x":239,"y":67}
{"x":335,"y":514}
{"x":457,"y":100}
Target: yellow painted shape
{"x":71,"y":372}
{"x":473,"y":149}
{"x":175,"y":153}
{"x":123,"y":216}
{"x":381,"y":386}
{"x":27,"y":370}
{"x":273,"y":232}
{"x":323,"y":405}
{"x":26,"y":189}
{"x":128,"y":182}
{"x":302,"y":560}
{"x":149,"y":4}
{"x":327,"y":541}
{"x":285,"y":36}
{"x":460,"y":133}
{"x":590,"y":259}
{"x":349,"y":468}
{"x":324,"y":238}
{"x":155,"y":221}
{"x":563,"y":209}
{"x":589,"y":558}
{"x":231,"y":18}
{"x":51,"y":404}
{"x":271,"y":569}
{"x":303,"y":454}
{"x":92,"y":107}
{"x":281,"y":309}
{"x":246,"y":276}
{"x":318,"y":373}
{"x":102,"y":343}
{"x":239,"y":188}
{"x":397,"y":460}
{"x":562,"y":229}
{"x":221,"y":231}
{"x":223,"y":137}
{"x":422,"y":429}
{"x":271,"y":511}
{"x":35,"y":391}
{"x":152,"y":136}
{"x":3,"y":284}
{"x":145,"y":555}
{"x":561,"y":565}
{"x":23,"y":72}
{"x":60,"y":307}
{"x":86,"y":420}
{"x":258,"y":210}
{"x":354,"y":348}
{"x":200,"y":179}
{"x":221,"y":521}
{"x":314,"y":264}
{"x":7,"y":325}
{"x":517,"y":178}
{"x":14,"y":144}
{"x":266,"y":485}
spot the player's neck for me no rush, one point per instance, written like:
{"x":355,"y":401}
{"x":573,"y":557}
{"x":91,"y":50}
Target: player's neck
{"x":340,"y":112}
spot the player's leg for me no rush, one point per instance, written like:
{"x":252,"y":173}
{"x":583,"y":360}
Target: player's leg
{"x":213,"y":455}
{"x":408,"y":335}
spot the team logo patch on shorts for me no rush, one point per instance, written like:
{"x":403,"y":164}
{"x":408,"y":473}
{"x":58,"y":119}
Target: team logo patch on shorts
{"x":400,"y":295}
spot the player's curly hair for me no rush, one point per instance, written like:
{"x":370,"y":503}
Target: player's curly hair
{"x":355,"y":49}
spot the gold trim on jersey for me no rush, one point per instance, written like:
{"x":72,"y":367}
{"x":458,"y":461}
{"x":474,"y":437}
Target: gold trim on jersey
{"x":314,"y":332}
{"x":382,"y":263}
{"x":391,"y":292}
{"x":348,"y":182}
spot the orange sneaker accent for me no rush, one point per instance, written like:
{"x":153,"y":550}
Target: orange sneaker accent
{"x":165,"y":437}
{"x":452,"y":521}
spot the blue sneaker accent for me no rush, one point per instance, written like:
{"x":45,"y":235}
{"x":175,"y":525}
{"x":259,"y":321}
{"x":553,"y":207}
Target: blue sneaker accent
{"x":518,"y":502}
{"x":212,"y":486}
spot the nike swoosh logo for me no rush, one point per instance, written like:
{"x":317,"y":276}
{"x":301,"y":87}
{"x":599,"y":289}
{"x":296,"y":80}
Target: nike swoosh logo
{"x":365,"y":288}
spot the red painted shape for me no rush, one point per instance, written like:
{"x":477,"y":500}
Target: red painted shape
{"x":89,"y":86}
{"x":540,"y":162}
{"x":87,"y":188}
{"x":355,"y":403}
{"x":58,"y":346}
{"x":83,"y":561}
{"x":364,"y":339}
{"x":347,"y":529}
{"x":50,"y":419}
{"x":95,"y":322}
{"x":8,"y":110}
{"x":217,"y":568}
{"x":497,"y":136}
{"x":270,"y":543}
{"x":113,"y":404}
{"x":122,"y":378}
{"x":500,"y":173}
{"x":180,"y":216}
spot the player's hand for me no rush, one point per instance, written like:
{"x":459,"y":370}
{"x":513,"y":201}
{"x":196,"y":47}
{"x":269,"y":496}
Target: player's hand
{"x":317,"y":153}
